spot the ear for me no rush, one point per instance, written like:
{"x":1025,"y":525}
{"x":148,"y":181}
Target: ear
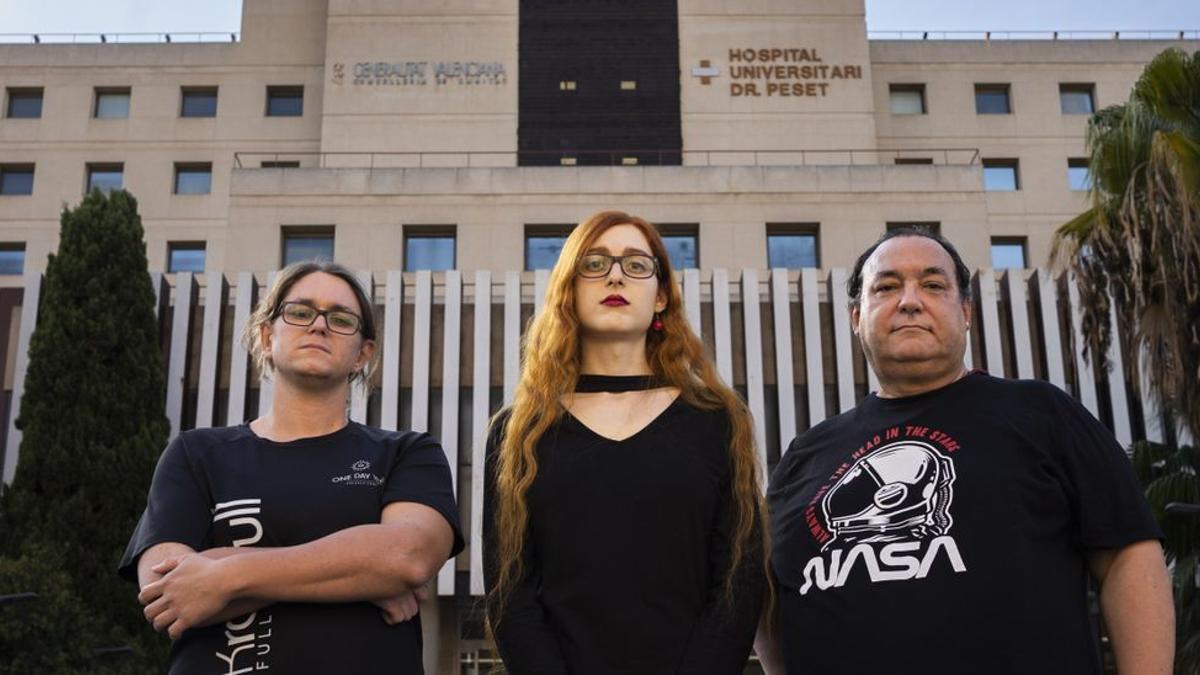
{"x":966,"y":310}
{"x":264,"y":338}
{"x":855,"y":313}
{"x":365,"y":352}
{"x":660,"y":299}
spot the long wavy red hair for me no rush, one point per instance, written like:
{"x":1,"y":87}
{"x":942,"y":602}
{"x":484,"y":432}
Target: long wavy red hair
{"x":550,"y":369}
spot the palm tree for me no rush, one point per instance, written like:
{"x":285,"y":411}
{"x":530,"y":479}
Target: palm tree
{"x":1140,"y":240}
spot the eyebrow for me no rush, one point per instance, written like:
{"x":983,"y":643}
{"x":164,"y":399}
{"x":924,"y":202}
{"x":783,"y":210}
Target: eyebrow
{"x":629,"y":250}
{"x":311,"y":303}
{"x":928,"y":271}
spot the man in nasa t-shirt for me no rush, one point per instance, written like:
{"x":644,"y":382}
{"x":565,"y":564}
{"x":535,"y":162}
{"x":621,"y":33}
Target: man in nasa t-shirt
{"x":950,"y":522}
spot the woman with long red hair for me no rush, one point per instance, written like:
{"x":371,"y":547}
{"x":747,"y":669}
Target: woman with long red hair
{"x":623,"y":514}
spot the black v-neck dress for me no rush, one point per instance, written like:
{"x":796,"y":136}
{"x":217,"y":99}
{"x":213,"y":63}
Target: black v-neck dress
{"x":629,"y":542}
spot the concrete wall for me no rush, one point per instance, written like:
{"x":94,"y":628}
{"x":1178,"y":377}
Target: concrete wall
{"x":154,"y":137}
{"x":739,"y":109}
{"x":418,"y":110}
{"x":1037,"y":132}
{"x":731,"y":205}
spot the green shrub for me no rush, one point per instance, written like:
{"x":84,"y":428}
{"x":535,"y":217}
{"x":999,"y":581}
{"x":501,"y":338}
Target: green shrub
{"x":93,"y":425}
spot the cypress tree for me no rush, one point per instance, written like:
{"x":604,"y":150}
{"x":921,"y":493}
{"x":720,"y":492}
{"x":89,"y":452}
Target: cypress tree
{"x":93,"y":422}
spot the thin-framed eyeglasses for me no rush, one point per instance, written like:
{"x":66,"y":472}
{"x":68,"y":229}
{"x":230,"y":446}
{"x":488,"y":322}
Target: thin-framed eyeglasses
{"x":634,"y":266}
{"x":338,"y":320}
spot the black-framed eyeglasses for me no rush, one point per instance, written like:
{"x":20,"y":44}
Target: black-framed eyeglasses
{"x":338,"y":320}
{"x":634,"y":266}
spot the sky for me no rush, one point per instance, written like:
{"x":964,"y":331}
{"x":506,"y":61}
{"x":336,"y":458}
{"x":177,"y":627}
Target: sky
{"x":177,"y":16}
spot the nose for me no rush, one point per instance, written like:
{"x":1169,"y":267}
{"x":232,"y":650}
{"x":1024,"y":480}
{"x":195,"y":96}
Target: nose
{"x":615,"y":273}
{"x":320,"y":324}
{"x":910,"y":298}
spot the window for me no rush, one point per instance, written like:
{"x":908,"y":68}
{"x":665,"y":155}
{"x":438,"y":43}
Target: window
{"x":111,"y":103}
{"x":24,"y":103}
{"x":193,"y":179}
{"x":907,"y":99}
{"x":992,"y":99}
{"x":1077,"y":99}
{"x":12,"y":258}
{"x":282,"y":164}
{"x":543,"y":243}
{"x":185,"y":256}
{"x":566,"y":85}
{"x":683,"y":245}
{"x":198,"y":102}
{"x":629,"y":161}
{"x":105,"y":177}
{"x":1008,"y":252}
{"x":285,"y":101}
{"x":16,"y":179}
{"x":302,"y":243}
{"x":930,"y":226}
{"x":568,"y":161}
{"x":429,"y":248}
{"x":1079,"y":177}
{"x":792,"y":245}
{"x":1000,"y":175}
{"x":913,"y":160}
{"x":628,"y":85}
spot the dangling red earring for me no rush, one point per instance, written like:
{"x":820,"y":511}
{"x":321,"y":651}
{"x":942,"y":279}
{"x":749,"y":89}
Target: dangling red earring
{"x":658,"y":324}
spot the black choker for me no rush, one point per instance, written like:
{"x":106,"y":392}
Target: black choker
{"x":589,"y":384}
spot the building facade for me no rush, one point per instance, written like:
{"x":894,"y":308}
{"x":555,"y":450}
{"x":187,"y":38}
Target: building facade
{"x":464,"y":138}
{"x":471,"y":134}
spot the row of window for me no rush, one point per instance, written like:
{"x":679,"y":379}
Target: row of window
{"x":1004,"y":175}
{"x":194,"y":178}
{"x":190,"y":178}
{"x":1075,"y":98}
{"x":573,"y":85}
{"x":789,"y":245}
{"x":113,"y":102}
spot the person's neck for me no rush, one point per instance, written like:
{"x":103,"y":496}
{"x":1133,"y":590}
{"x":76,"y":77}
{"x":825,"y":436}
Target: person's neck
{"x":615,"y":357}
{"x":901,"y":385}
{"x":302,"y":413}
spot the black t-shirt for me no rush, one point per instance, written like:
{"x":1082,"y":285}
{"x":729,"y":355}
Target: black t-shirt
{"x":628,"y":548}
{"x":947,"y":532}
{"x":229,"y":487}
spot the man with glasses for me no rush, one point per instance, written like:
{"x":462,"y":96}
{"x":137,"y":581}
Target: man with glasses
{"x":301,"y":541}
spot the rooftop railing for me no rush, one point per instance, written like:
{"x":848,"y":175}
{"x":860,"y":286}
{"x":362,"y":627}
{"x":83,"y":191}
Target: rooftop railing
{"x":222,"y":36}
{"x":1163,"y":34}
{"x":116,"y":38}
{"x":643,"y":157}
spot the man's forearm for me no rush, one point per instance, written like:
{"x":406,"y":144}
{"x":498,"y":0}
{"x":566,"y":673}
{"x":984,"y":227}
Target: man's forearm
{"x":1135,"y":596}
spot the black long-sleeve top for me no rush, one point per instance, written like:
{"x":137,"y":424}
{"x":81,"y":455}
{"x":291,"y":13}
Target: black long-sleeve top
{"x":627,"y":550}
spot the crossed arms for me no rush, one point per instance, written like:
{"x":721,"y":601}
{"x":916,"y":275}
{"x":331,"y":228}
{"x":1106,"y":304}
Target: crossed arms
{"x":387,"y":563}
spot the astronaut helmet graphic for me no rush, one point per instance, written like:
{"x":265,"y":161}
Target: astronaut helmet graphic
{"x":901,"y":491}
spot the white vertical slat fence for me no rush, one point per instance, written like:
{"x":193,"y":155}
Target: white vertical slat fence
{"x":748,"y":323}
